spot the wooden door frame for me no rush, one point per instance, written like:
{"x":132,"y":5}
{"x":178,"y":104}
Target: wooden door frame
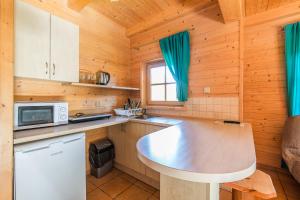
{"x":6,"y":98}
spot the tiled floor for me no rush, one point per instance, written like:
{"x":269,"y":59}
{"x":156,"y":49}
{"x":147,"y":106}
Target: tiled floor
{"x":120,"y":186}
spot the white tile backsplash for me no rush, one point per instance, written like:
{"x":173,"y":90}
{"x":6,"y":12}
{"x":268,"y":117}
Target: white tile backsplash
{"x":226,"y":108}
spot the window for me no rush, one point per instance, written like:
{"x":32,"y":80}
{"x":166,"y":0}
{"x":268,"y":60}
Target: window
{"x":161,"y":85}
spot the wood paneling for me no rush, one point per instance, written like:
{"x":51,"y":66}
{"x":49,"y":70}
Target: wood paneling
{"x":138,"y":14}
{"x":170,"y":14}
{"x":214,"y":54}
{"x":103,"y":46}
{"x":77,"y":4}
{"x":257,"y":6}
{"x":247,"y":54}
{"x":6,"y":99}
{"x":264,"y":80}
{"x":231,"y":9}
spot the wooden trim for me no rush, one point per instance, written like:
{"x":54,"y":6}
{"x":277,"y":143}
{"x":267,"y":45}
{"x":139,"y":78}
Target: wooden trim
{"x":102,"y":86}
{"x":77,"y":5}
{"x":153,"y":64}
{"x":231,"y":10}
{"x":241,"y":62}
{"x":283,"y":12}
{"x":167,"y":16}
{"x":6,"y":98}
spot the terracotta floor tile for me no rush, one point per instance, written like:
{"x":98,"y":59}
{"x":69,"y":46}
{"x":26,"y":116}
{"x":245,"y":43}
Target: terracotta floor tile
{"x":290,"y":186}
{"x":134,"y":193}
{"x":100,"y":181}
{"x":122,"y":186}
{"x":153,"y":198}
{"x":90,"y":187}
{"x":115,"y":186}
{"x":128,"y":177}
{"x":146,"y":187}
{"x":98,"y":195}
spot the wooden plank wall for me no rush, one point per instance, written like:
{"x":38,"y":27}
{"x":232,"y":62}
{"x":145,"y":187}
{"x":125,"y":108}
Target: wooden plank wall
{"x":6,"y":99}
{"x":103,"y":46}
{"x":214,"y":51}
{"x":215,"y":62}
{"x":264,"y":80}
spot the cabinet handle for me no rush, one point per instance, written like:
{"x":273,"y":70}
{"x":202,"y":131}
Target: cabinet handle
{"x":53,"y":70}
{"x":46,"y":68}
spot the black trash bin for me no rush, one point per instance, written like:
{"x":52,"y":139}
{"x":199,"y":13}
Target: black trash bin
{"x":101,"y":155}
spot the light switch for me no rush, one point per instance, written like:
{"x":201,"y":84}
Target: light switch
{"x":206,"y":90}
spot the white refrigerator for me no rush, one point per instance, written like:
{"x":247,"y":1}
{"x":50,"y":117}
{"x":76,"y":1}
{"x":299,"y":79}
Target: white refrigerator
{"x":52,"y":169}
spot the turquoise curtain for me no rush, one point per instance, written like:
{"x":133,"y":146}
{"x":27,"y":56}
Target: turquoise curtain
{"x":176,"y":52}
{"x":292,"y":54}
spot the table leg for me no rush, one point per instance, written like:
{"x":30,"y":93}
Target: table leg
{"x":177,"y":189}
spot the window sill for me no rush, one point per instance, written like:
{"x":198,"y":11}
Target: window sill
{"x":165,"y":107}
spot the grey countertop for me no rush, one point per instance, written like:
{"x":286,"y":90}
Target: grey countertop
{"x":50,"y":132}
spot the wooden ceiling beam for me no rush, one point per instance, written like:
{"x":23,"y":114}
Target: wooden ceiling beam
{"x":166,"y":16}
{"x":78,"y":5}
{"x":231,"y":10}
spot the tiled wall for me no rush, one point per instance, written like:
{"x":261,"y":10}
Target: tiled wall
{"x":226,"y":108}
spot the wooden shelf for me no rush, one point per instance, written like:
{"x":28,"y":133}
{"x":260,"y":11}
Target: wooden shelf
{"x":103,"y":86}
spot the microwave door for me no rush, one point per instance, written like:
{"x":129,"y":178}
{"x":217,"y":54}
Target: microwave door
{"x":35,"y":115}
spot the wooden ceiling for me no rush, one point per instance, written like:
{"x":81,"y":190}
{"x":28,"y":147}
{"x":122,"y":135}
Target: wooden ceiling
{"x":140,"y":15}
{"x":129,"y":13}
{"x":253,"y":7}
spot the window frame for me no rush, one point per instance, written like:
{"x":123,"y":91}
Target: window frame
{"x":149,"y":66}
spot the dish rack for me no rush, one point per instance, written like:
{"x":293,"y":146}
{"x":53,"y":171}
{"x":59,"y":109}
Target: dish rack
{"x":127,"y":113}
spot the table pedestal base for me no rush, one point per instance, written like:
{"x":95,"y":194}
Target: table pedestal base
{"x":177,"y":189}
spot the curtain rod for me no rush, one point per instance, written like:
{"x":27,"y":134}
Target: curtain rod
{"x":142,"y":45}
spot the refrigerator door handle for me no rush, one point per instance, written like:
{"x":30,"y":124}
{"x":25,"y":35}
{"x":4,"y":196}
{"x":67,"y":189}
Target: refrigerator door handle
{"x":36,"y":149}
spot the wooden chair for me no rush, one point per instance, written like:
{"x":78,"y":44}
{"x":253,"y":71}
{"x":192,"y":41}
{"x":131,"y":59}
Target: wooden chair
{"x":257,"y":186}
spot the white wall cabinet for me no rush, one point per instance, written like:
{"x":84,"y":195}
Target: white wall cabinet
{"x":64,"y":50}
{"x":46,"y":46}
{"x":32,"y":41}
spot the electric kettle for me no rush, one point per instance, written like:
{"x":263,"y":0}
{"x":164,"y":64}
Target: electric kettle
{"x":102,"y":78}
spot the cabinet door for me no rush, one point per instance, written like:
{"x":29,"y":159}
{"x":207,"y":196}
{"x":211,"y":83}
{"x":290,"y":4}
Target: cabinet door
{"x":116,"y":134}
{"x":64,"y":50}
{"x":133,"y":133}
{"x":32,"y":41}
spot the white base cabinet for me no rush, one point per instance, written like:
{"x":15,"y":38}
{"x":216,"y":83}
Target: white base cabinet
{"x":46,"y":46}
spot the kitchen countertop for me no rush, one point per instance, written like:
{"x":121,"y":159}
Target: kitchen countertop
{"x":195,"y":150}
{"x":201,"y":151}
{"x":56,"y":131}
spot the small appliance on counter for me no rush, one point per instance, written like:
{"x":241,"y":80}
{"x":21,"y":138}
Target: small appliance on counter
{"x":29,"y":115}
{"x":81,"y":117}
{"x":102,"y":78}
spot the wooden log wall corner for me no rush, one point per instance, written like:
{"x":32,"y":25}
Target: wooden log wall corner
{"x":6,"y":98}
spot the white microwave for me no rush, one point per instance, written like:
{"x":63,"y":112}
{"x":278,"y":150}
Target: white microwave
{"x":28,"y":115}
